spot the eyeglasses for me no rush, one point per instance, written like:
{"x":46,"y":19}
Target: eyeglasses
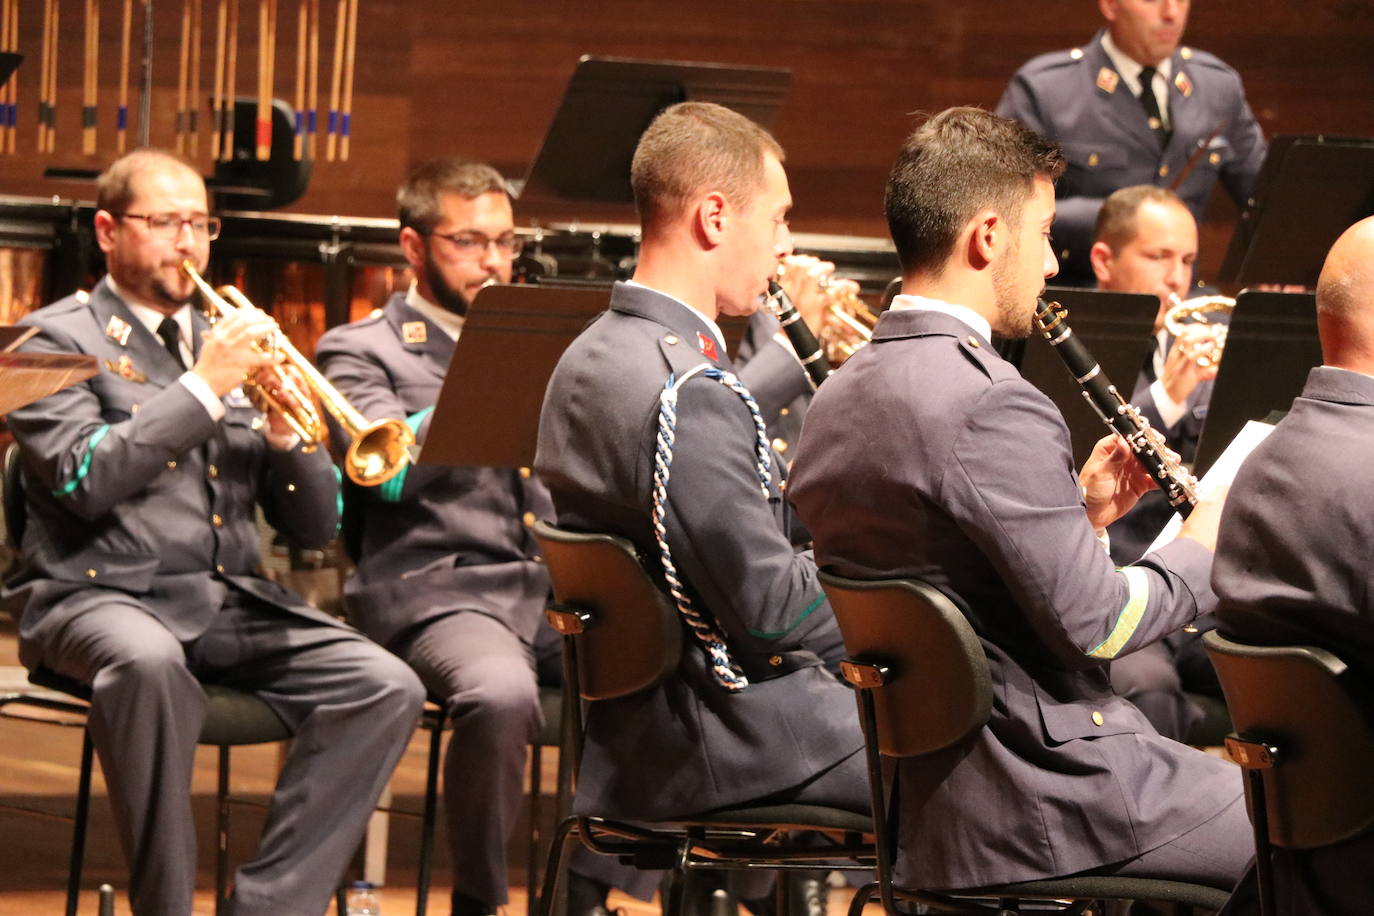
{"x":167,"y":226}
{"x":473,"y":244}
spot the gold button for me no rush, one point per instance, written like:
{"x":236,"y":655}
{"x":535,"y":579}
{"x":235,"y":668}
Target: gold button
{"x":291,"y":488}
{"x":1064,"y":255}
{"x":1186,"y":53}
{"x":780,"y":445}
{"x":528,"y":519}
{"x":775,"y":660}
{"x":1163,"y":171}
{"x":973,"y":342}
{"x":1097,"y":718}
{"x":785,"y":411}
{"x":670,"y":339}
{"x":219,"y":568}
{"x":171,"y":465}
{"x":525,"y":473}
{"x":1092,"y":160}
{"x":1076,"y":54}
{"x":217,"y":521}
{"x":133,"y":409}
{"x":782,"y":486}
{"x":90,"y":574}
{"x":212,"y":471}
{"x":538,"y":558}
{"x":1215,"y":158}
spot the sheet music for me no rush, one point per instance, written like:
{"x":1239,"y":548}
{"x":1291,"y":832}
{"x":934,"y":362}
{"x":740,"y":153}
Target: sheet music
{"x":1222,"y":472}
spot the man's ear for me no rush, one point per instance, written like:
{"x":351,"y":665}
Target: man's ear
{"x":412,"y":248}
{"x":1101,"y":257}
{"x":104,"y":229}
{"x":712,"y":217}
{"x":989,"y":238}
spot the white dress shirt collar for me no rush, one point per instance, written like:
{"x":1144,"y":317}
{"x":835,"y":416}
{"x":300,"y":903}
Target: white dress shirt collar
{"x":151,"y":318}
{"x":1129,"y":70}
{"x":710,"y":325}
{"x":450,"y":323}
{"x":960,"y":313}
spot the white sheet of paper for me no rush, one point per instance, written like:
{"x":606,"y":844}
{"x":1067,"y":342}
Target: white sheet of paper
{"x":1221,"y":473}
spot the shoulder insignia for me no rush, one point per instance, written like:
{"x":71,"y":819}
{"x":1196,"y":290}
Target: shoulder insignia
{"x":118,"y":330}
{"x":1107,"y":80}
{"x":124,"y":368}
{"x":414,"y":332}
{"x":1184,"y":84}
{"x":1076,"y":54}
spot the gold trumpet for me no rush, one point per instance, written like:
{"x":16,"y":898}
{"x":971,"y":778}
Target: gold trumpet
{"x":379,"y":450}
{"x":847,"y":321}
{"x":1184,"y":313}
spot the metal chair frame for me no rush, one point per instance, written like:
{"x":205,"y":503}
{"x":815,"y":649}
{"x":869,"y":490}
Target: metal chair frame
{"x":622,"y":635}
{"x":922,"y":685}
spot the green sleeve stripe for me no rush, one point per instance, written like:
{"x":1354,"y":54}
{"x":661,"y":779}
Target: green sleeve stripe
{"x":390,"y":491}
{"x":820,"y":599}
{"x":338,"y":499}
{"x":81,"y":472}
{"x":1138,"y":599}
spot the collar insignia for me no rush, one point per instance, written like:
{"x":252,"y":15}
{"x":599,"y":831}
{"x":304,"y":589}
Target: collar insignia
{"x":1107,"y":80}
{"x":118,"y":330}
{"x":414,"y":332}
{"x":124,"y":367}
{"x":1184,"y":84}
{"x":708,"y":346}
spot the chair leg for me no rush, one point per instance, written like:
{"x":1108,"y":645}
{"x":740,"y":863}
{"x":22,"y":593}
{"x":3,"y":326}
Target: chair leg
{"x":222,"y":831}
{"x":1264,"y":866}
{"x":532,"y":863}
{"x":427,"y":822}
{"x":83,"y":808}
{"x":553,"y":868}
{"x":861,"y":898}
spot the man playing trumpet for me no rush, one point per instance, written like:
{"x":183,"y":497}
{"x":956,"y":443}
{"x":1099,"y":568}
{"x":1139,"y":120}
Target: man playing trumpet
{"x":139,"y":570}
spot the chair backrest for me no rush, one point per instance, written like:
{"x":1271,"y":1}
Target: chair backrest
{"x":938,"y":691}
{"x":1299,"y":699}
{"x":12,"y":493}
{"x":635,"y":637}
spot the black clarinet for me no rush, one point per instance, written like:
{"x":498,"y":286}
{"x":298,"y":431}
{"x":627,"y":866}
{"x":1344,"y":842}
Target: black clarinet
{"x":1179,"y":487}
{"x":809,"y":350}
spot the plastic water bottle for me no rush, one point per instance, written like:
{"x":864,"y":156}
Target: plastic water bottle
{"x":363,"y":900}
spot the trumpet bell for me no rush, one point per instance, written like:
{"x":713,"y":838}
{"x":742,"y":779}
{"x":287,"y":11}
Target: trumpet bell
{"x":378,"y":453}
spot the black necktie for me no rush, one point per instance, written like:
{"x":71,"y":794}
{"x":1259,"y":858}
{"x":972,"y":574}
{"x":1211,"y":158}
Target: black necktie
{"x":1151,"y":104}
{"x":171,"y":339}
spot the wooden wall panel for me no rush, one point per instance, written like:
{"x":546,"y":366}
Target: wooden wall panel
{"x":437,"y":77}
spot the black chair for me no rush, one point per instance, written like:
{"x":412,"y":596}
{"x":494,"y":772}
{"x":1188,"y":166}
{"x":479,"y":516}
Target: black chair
{"x":622,"y":635}
{"x":923,"y":685}
{"x":233,"y":718}
{"x":1304,"y":739}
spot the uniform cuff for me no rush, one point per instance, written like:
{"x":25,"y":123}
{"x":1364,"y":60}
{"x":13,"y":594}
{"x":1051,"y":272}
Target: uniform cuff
{"x":1170,"y":411}
{"x":197,"y":386}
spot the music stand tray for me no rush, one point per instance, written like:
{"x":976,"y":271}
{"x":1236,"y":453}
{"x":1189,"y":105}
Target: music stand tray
{"x":1116,"y":328}
{"x":585,"y":156}
{"x":28,"y":377}
{"x":1270,"y":347}
{"x":488,"y":409}
{"x":1308,"y":192}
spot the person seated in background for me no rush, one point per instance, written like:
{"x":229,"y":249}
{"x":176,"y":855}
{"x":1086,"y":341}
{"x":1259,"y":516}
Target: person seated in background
{"x":139,"y":572}
{"x":928,"y":456}
{"x":1292,"y":565}
{"x":1145,"y":241}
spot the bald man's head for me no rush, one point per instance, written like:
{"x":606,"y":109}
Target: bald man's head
{"x":1345,"y":299}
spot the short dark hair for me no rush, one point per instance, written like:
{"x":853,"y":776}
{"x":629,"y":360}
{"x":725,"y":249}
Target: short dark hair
{"x":693,"y":147}
{"x":1116,"y":222}
{"x":957,"y":163}
{"x":114,"y":189}
{"x":417,"y":200}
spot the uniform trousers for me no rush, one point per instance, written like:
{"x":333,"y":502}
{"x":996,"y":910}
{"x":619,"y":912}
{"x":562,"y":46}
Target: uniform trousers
{"x":349,"y":704}
{"x":485,"y":676}
{"x":1215,"y":853}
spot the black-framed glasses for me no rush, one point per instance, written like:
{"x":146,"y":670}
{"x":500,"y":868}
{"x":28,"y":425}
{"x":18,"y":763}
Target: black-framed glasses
{"x":474,"y":244}
{"x":167,"y":226}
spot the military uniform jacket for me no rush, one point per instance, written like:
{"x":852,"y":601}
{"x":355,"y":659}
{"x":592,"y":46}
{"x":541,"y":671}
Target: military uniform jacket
{"x":776,"y":380}
{"x":707,"y":747}
{"x":959,"y":472}
{"x":133,"y":491}
{"x":1077,"y":99}
{"x":433,"y":540}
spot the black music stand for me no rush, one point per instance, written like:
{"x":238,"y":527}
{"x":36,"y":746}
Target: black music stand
{"x":1270,"y":347}
{"x":1308,"y":192}
{"x":585,"y":156}
{"x":488,"y":409}
{"x":1115,"y":327}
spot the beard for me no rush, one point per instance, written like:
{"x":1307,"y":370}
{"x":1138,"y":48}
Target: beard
{"x":1014,"y":317}
{"x":163,"y":291}
{"x":445,"y":295}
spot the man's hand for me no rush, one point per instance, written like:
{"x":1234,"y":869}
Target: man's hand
{"x":1113,"y":480}
{"x":1182,"y":368}
{"x":228,"y":353}
{"x":1201,"y":525}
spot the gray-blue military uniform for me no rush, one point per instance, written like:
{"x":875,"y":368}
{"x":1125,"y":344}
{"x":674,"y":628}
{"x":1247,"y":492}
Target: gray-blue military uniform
{"x":140,"y":574}
{"x":1292,"y":568}
{"x":1077,"y":99}
{"x":959,"y":472}
{"x":448,"y":577}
